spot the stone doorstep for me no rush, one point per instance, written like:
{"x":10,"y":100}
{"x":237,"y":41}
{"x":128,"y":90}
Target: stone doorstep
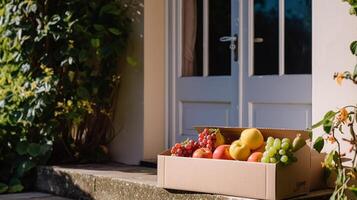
{"x":31,"y":196}
{"x":116,"y":182}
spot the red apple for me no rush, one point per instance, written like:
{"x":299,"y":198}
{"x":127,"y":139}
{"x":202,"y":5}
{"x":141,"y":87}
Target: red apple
{"x":222,"y":152}
{"x":202,"y":153}
{"x":255,"y":157}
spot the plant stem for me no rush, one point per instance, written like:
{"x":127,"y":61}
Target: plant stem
{"x":338,"y":147}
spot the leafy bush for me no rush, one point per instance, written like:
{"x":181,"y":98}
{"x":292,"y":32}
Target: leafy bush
{"x":58,"y":79}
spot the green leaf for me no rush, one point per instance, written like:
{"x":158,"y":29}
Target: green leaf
{"x":353,"y":47}
{"x":24,"y":167}
{"x":131,"y":61}
{"x":95,"y":42}
{"x":71,"y":75}
{"x":3,"y":187}
{"x":353,"y":189}
{"x":21,"y":148}
{"x":109,"y":8}
{"x":114,"y":31}
{"x":82,"y":92}
{"x":34,"y":149}
{"x":330,"y":114}
{"x":327,"y":126}
{"x":329,"y":161}
{"x":15,"y":186}
{"x":319,"y":144}
{"x":98,"y":27}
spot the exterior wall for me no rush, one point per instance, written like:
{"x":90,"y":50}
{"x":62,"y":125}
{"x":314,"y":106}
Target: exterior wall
{"x":154,"y":78}
{"x":333,"y":30}
{"x":140,"y":116}
{"x":127,"y":147}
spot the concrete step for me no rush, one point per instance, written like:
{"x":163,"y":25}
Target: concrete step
{"x":31,"y":196}
{"x":116,"y":182}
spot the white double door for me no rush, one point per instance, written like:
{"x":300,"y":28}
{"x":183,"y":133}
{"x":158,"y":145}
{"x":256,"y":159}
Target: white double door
{"x":252,"y":81}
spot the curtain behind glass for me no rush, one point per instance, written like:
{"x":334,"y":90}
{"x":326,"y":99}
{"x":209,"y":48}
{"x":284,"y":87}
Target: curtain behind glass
{"x":189,"y":36}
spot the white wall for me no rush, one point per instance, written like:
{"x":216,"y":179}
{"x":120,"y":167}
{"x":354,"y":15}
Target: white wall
{"x":127,"y":147}
{"x":140,"y":116}
{"x":333,"y":30}
{"x":154,"y":78}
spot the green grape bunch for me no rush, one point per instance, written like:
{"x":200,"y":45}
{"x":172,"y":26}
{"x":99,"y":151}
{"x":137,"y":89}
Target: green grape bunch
{"x":281,"y":151}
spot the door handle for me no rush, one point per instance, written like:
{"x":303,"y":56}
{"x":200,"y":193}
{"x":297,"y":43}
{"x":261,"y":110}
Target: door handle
{"x":233,"y":46}
{"x":258,"y":40}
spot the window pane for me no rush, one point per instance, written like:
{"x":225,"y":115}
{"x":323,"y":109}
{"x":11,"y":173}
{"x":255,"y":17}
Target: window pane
{"x":298,"y":37}
{"x":266,"y":37}
{"x":219,"y":25}
{"x":192,"y":38}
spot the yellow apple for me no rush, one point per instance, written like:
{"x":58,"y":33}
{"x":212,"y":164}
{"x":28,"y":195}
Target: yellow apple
{"x":252,"y":137}
{"x":239,"y":151}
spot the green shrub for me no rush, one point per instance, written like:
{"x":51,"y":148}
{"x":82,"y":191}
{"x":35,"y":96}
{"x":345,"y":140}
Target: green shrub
{"x":58,"y":77}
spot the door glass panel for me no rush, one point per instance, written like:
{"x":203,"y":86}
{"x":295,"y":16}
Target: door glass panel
{"x":192,"y":38}
{"x":266,"y":37}
{"x":219,"y":26}
{"x":298,"y":37}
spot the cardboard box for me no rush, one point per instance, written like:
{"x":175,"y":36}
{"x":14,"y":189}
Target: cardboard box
{"x":238,"y":178}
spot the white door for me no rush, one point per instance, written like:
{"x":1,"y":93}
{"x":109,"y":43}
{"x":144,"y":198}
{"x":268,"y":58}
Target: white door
{"x":276,"y":63}
{"x":217,"y":80}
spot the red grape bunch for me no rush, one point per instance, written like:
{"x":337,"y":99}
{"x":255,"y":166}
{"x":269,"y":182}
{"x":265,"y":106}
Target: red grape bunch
{"x":185,"y":148}
{"x":207,"y":138}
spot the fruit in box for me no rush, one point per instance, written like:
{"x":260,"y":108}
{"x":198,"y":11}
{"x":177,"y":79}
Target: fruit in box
{"x":239,"y":150}
{"x":185,"y":148}
{"x":282,"y":150}
{"x":202,"y":153}
{"x":255,"y":157}
{"x":261,"y":148}
{"x":250,"y":147}
{"x":210,"y":138}
{"x":252,"y":137}
{"x":298,"y":143}
{"x":222,"y":152}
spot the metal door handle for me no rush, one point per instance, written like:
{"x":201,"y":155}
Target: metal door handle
{"x":233,"y":46}
{"x":258,"y":40}
{"x":228,"y":39}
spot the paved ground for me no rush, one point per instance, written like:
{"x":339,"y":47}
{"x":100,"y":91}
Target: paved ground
{"x":31,"y":196}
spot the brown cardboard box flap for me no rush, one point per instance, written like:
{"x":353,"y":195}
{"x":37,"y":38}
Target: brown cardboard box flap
{"x":234,"y":132}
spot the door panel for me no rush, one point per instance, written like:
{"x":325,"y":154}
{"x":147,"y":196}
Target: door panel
{"x":202,"y":113}
{"x":282,"y":115}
